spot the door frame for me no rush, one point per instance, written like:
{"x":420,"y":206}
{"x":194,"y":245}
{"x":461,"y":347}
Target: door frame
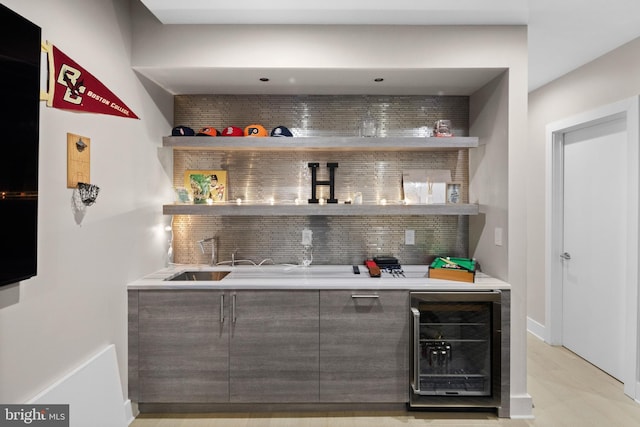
{"x":629,"y":110}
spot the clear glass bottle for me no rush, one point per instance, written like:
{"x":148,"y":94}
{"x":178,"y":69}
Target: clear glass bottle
{"x":307,"y":248}
{"x":454,"y":194}
{"x":307,"y":255}
{"x":368,"y":126}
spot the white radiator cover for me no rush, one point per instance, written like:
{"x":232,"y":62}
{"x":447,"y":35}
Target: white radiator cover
{"x":93,"y":393}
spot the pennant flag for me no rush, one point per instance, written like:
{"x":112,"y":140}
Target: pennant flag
{"x":71,"y":87}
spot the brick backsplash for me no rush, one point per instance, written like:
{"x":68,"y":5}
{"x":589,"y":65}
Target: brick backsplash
{"x":284,"y":175}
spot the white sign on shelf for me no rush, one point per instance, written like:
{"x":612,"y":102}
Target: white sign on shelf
{"x":425,"y":186}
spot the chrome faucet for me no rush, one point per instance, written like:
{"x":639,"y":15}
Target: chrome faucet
{"x":214,"y":248}
{"x":233,"y":257}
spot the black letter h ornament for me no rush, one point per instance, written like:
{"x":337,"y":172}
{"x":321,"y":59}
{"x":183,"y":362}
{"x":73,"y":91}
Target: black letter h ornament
{"x":331,"y":183}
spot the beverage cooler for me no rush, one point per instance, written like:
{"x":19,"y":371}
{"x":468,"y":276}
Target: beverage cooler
{"x":455,"y":349}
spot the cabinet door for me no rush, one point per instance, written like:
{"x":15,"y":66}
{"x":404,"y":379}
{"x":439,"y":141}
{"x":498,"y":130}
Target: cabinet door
{"x":183,"y":347}
{"x":274,"y":347}
{"x":364,"y":339}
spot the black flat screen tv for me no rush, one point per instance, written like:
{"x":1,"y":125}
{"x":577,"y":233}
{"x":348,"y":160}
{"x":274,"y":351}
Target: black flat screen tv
{"x":19,"y":133}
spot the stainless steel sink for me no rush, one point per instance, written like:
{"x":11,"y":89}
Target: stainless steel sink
{"x":199,"y":276}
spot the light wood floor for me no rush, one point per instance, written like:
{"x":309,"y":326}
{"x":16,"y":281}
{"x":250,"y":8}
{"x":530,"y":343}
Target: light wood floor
{"x":566,"y":391}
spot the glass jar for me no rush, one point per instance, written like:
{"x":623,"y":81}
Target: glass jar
{"x":368,"y":126}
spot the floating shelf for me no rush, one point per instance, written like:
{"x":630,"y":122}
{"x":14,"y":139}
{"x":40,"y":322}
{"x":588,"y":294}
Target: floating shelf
{"x":341,"y":209}
{"x":320,"y":143}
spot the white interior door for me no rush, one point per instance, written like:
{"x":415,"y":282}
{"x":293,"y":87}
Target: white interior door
{"x":595,"y":240}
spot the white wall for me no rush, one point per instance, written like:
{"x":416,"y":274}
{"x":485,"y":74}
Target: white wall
{"x":612,"y":77}
{"x":77,"y":303}
{"x":497,"y":176}
{"x":488,"y":184}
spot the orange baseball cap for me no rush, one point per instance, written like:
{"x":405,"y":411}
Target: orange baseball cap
{"x":209,"y":131}
{"x":255,"y":130}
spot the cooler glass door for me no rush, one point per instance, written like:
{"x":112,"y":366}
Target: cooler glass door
{"x":453,"y":343}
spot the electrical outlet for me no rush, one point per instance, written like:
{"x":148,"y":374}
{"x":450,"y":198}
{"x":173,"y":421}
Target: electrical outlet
{"x":307,"y":237}
{"x":497,"y":236}
{"x":409,"y":237}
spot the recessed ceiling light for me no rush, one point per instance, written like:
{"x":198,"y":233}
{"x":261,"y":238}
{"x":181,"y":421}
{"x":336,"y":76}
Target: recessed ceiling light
{"x":264,"y":79}
{"x":378,"y":79}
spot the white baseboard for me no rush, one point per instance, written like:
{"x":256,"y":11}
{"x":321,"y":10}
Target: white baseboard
{"x":521,"y":407}
{"x":129,"y":412}
{"x":537,"y":329}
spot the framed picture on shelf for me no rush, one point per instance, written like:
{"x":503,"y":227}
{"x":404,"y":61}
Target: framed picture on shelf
{"x":206,"y":186}
{"x":454,"y":192}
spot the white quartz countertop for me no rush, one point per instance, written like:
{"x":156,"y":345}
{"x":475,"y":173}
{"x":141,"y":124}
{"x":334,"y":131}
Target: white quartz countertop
{"x":312,"y":277}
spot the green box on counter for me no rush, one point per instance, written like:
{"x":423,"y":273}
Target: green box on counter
{"x":450,"y":268}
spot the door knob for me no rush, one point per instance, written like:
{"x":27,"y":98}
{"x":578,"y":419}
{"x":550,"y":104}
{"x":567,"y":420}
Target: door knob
{"x":566,"y":255}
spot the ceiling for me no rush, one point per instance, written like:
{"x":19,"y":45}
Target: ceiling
{"x":562,"y":36}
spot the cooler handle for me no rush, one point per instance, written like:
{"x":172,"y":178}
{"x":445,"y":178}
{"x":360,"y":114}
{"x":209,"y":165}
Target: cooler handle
{"x":415,"y":382}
